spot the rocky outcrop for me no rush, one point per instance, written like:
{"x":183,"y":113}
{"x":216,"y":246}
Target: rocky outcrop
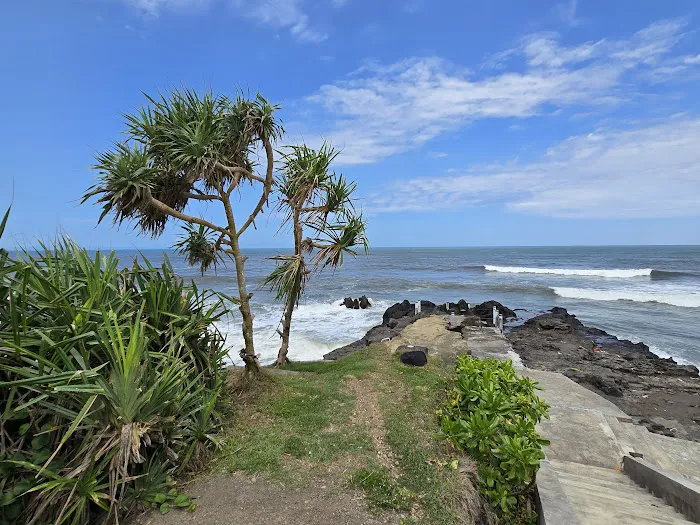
{"x":356,"y":304}
{"x":485,"y":311}
{"x":658,"y":392}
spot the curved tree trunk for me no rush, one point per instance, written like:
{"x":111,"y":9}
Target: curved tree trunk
{"x":293,"y":297}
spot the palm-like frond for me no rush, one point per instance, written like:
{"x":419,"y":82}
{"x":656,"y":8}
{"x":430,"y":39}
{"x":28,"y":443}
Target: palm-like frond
{"x":289,"y":277}
{"x":199,"y":246}
{"x":179,"y":143}
{"x":340,"y":239}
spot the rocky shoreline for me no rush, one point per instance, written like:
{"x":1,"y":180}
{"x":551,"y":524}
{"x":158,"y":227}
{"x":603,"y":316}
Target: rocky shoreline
{"x":656,"y":392}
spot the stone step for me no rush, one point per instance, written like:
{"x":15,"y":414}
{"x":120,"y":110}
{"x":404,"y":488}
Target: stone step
{"x":605,"y":495}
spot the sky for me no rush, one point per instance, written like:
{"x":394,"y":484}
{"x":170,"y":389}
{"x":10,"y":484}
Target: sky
{"x":464,"y":123}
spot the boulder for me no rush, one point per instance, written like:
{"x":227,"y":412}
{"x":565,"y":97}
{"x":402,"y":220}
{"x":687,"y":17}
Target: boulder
{"x":355,"y":304}
{"x":413,"y":355}
{"x":347,"y":302}
{"x":462,"y":306}
{"x":364,"y":302}
{"x":398,"y":310}
{"x":485,"y":310}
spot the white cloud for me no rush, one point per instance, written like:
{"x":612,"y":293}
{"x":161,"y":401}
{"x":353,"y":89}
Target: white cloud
{"x":279,"y":14}
{"x":567,"y":12}
{"x":154,"y":7}
{"x":382,"y":110}
{"x":283,"y":14}
{"x":651,"y":171}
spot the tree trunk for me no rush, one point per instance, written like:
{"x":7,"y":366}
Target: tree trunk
{"x":294,"y":296}
{"x":252,"y":366}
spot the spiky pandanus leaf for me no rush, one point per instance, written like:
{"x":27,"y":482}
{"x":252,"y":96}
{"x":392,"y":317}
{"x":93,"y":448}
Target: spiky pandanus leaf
{"x":199,"y":246}
{"x":289,"y":277}
{"x":339,"y":239}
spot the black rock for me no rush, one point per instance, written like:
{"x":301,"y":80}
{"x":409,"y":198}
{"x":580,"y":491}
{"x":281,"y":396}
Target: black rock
{"x":413,"y":355}
{"x":356,"y":304}
{"x":398,"y":310}
{"x":364,"y":302}
{"x":347,"y":302}
{"x":485,"y":310}
{"x":462,"y":306}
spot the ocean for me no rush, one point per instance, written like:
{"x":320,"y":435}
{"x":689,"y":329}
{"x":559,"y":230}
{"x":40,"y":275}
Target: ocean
{"x":641,"y":293}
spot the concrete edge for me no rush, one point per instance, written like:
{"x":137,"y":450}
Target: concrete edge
{"x":553,"y":505}
{"x":681,"y":493}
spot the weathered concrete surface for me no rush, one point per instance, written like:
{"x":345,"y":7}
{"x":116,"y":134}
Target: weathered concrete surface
{"x":589,"y":436}
{"x":679,"y":492}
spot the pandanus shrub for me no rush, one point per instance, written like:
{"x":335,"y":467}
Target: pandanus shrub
{"x":313,"y":200}
{"x":110,"y":383}
{"x":184,"y":149}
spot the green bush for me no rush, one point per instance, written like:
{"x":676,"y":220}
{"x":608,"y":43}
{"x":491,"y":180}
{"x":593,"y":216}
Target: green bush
{"x":491,"y":415}
{"x":110,"y":383}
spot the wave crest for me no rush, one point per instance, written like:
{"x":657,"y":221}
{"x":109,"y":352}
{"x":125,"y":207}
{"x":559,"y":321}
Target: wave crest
{"x":674,"y":299}
{"x":641,"y":272}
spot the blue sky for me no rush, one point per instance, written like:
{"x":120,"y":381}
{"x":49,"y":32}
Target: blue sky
{"x":464,"y":123}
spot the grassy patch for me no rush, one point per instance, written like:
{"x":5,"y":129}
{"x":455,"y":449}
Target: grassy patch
{"x":305,"y":416}
{"x":382,"y":491}
{"x":309,"y":417}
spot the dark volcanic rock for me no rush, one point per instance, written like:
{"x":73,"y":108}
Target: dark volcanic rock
{"x":398,"y":310}
{"x":462,"y":306}
{"x":659,"y":391}
{"x":347,"y":302}
{"x":485,"y":310}
{"x":355,"y":304}
{"x":413,"y":355}
{"x":364,"y":302}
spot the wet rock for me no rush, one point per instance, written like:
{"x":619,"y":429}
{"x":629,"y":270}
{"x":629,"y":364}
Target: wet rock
{"x":347,"y":302}
{"x":355,"y":304}
{"x":364,"y":302}
{"x":398,"y":310}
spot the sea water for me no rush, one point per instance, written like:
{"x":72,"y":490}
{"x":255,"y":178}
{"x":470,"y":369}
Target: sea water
{"x":642,"y":293}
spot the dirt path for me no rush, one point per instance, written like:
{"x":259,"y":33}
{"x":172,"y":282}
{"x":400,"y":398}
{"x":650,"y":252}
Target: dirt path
{"x":238,"y":499}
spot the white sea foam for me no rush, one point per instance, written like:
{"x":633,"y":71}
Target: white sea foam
{"x":641,"y":272}
{"x":687,"y":300}
{"x":317,"y":328}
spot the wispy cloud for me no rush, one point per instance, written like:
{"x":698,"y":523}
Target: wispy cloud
{"x":567,"y":11}
{"x":154,"y":7}
{"x":279,"y":14}
{"x":651,"y":171}
{"x":284,"y":14}
{"x":382,"y":110}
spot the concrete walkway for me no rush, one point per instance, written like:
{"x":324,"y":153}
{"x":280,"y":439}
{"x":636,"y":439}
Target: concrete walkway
{"x":580,"y":481}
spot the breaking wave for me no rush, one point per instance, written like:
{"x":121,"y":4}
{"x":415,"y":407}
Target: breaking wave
{"x":686,"y":300}
{"x":317,"y":328}
{"x":642,"y":272}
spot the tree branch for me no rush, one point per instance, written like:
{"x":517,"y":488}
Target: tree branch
{"x":184,"y":217}
{"x":237,"y":171}
{"x":267,"y":186}
{"x":202,"y":197}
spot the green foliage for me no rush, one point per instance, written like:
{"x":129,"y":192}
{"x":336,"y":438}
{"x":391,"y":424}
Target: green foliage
{"x":382,"y":491}
{"x":199,"y":247}
{"x":110,"y":383}
{"x":491,"y":415}
{"x":177,"y":148}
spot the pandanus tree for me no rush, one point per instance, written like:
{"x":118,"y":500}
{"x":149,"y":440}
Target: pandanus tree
{"x":186,"y":148}
{"x":316,"y":200}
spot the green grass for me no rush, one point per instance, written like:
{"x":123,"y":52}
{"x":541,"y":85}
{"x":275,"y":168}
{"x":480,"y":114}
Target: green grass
{"x":304,"y":416}
{"x":382,"y":491}
{"x":309,"y":417}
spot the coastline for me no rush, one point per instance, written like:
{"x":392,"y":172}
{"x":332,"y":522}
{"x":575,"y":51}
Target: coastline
{"x":657,"y":392}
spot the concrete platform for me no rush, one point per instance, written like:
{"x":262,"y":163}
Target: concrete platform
{"x":580,"y":481}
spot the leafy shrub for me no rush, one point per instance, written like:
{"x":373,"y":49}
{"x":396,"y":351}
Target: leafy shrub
{"x":491,"y":415}
{"x":110,"y":383}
